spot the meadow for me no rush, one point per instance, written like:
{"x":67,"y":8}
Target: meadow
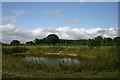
{"x":96,"y":62}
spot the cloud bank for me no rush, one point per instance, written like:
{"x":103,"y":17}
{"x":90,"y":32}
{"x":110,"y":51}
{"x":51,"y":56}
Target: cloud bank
{"x":11,"y":32}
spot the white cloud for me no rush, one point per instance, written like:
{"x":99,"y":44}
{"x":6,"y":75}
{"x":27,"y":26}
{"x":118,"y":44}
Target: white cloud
{"x":71,"y":22}
{"x":55,"y":12}
{"x":10,"y":32}
{"x":12,"y":19}
{"x":20,"y":12}
{"x":8,"y":19}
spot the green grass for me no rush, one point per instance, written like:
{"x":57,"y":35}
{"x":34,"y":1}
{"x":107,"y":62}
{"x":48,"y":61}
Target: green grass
{"x":96,"y":62}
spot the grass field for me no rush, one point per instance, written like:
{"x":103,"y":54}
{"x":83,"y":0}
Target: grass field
{"x":97,"y":62}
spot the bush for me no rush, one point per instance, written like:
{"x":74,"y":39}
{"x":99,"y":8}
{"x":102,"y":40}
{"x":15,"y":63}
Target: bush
{"x":18,"y":49}
{"x":14,"y":49}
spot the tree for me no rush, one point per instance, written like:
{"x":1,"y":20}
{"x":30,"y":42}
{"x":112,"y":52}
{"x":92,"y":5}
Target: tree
{"x":15,"y":42}
{"x":37,"y":41}
{"x":52,"y":39}
{"x":91,"y":42}
{"x":107,"y":41}
{"x":98,"y":40}
{"x":116,"y":41}
{"x":30,"y":43}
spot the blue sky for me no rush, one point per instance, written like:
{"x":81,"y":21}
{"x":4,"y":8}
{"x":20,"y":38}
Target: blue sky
{"x":26,"y":21}
{"x":53,"y":14}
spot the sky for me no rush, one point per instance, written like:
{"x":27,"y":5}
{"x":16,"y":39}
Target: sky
{"x":69,"y":20}
{"x":60,"y":0}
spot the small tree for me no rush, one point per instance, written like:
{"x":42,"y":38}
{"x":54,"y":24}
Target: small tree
{"x":15,"y":42}
{"x":52,"y":39}
{"x":98,"y":40}
{"x":37,"y":41}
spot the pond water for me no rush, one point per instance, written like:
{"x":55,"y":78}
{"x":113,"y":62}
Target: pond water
{"x":51,"y":60}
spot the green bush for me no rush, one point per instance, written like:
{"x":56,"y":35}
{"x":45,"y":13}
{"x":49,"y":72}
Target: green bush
{"x":19,"y":49}
{"x":14,"y":49}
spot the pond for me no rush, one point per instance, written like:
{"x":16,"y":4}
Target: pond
{"x":51,"y":60}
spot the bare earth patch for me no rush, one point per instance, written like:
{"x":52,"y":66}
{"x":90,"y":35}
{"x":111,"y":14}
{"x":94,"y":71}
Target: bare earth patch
{"x":53,"y":53}
{"x":72,"y":54}
{"x":18,"y":54}
{"x":62,"y":54}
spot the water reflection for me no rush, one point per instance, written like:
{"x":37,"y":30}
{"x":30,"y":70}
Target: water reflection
{"x":52,"y":60}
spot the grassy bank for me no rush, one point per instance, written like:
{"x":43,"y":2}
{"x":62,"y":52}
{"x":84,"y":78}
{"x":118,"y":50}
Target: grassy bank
{"x":96,"y":62}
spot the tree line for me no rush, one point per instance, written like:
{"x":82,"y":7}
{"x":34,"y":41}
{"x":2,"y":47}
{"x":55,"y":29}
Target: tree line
{"x":53,"y":39}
